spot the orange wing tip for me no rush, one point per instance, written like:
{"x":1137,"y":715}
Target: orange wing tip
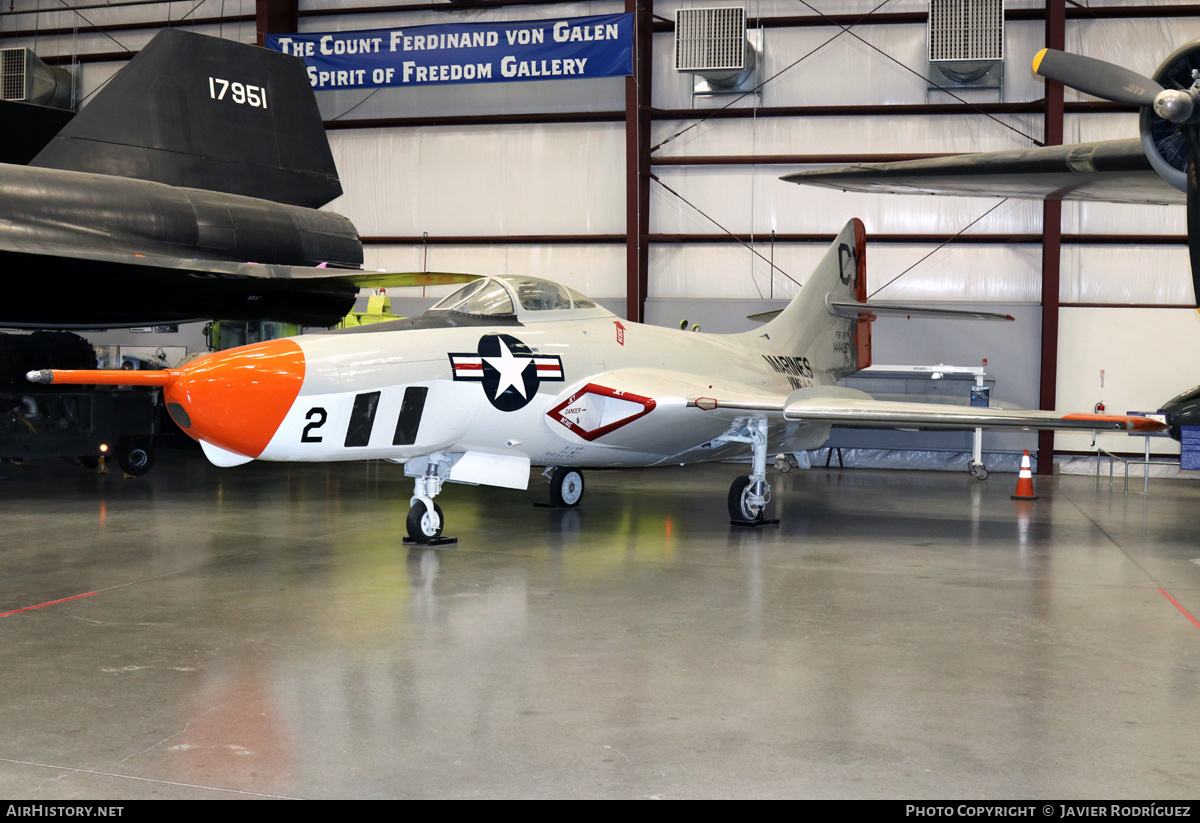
{"x":101,"y":377}
{"x":1141,"y":424}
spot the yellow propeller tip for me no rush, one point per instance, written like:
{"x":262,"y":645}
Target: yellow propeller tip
{"x":1037,"y":59}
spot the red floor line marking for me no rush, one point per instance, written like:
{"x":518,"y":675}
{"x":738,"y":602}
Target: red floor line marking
{"x":1186,"y":613}
{"x":89,"y":594}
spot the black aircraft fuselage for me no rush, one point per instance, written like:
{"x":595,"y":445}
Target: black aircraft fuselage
{"x":117,"y":215}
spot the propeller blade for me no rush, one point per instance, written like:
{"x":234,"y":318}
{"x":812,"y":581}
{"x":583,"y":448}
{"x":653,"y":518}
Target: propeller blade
{"x":1193,"y":208}
{"x":1097,"y":77}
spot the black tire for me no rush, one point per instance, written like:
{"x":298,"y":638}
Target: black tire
{"x":418,"y":524}
{"x":135,"y":458}
{"x":739,"y":507}
{"x":566,"y":487}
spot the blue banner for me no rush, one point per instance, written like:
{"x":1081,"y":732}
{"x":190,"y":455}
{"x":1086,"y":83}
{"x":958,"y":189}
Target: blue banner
{"x":552,"y":49}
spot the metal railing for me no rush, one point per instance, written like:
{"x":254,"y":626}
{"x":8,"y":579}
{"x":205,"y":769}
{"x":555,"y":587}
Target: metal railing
{"x":1126,"y":463}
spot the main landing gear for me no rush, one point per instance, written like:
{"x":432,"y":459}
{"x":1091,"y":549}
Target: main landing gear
{"x":566,"y":488}
{"x":748,"y":496}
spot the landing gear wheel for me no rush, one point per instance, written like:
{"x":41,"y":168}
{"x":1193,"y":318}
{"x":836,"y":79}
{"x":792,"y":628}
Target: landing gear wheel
{"x":135,"y":458}
{"x":566,"y":487}
{"x":783,"y":463}
{"x":741,"y":507}
{"x":977,"y":471}
{"x":420,"y":524}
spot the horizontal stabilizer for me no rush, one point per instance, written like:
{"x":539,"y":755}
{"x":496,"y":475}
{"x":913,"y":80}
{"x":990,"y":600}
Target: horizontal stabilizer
{"x":852,"y":309}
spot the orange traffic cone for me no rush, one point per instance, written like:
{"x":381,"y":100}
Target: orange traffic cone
{"x":1025,"y":481}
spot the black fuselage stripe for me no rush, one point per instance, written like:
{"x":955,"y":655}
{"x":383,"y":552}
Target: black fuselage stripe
{"x":362,"y":419}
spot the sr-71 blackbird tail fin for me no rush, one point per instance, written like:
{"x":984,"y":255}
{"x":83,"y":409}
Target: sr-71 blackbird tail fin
{"x":205,"y":113}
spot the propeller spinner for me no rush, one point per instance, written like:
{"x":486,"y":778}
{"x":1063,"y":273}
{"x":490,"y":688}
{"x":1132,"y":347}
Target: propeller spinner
{"x":1170,"y":121}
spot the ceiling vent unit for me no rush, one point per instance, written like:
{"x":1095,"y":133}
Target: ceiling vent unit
{"x":966,"y":44}
{"x":714,"y":47}
{"x":26,"y":79}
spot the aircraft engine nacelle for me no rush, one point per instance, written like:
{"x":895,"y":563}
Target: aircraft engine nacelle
{"x":1164,"y":143}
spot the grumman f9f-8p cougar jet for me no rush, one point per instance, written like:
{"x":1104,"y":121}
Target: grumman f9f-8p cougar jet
{"x":513,"y":372}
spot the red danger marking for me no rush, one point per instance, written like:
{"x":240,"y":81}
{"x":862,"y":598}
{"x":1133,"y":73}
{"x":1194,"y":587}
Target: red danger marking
{"x":1185,"y":612}
{"x":65,"y":599}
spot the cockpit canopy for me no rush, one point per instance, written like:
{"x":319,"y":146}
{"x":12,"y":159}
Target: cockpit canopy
{"x":529,"y":299}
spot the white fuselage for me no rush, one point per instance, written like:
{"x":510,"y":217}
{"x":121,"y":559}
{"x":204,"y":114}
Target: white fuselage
{"x":462,"y":413}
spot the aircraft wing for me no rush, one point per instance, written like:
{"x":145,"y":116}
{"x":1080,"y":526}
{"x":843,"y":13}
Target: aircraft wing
{"x":129,"y":289}
{"x":1115,"y":171}
{"x":612,"y":400}
{"x":228,"y":268}
{"x":849,"y":407}
{"x":270,"y":271}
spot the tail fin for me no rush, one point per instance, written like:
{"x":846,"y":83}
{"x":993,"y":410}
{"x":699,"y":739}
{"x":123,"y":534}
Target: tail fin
{"x":205,"y":113}
{"x":809,"y":326}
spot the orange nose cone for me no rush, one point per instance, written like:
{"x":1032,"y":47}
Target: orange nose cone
{"x":236,"y":399}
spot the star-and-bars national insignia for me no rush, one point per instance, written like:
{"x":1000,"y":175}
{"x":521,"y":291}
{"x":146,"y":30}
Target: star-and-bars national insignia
{"x":509,"y":371}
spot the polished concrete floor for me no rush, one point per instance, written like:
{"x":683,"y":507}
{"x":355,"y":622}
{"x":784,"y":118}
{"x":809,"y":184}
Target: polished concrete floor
{"x":260,"y":632}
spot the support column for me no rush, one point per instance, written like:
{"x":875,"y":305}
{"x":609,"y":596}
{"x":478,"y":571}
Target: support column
{"x":276,"y":17}
{"x":1056,"y":35}
{"x":637,"y":162}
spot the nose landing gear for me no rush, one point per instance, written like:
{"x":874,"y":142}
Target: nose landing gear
{"x":425,"y":520}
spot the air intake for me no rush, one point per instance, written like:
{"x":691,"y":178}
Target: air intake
{"x":966,"y":43}
{"x":26,"y":79}
{"x":712,"y":45}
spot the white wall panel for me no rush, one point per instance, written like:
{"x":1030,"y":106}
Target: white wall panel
{"x":983,"y":273}
{"x":1123,"y":218}
{"x":1137,"y":348}
{"x":550,"y":179}
{"x":744,"y":199}
{"x":1126,"y":274}
{"x":924,"y":134}
{"x":53,"y":15}
{"x":87,"y":40}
